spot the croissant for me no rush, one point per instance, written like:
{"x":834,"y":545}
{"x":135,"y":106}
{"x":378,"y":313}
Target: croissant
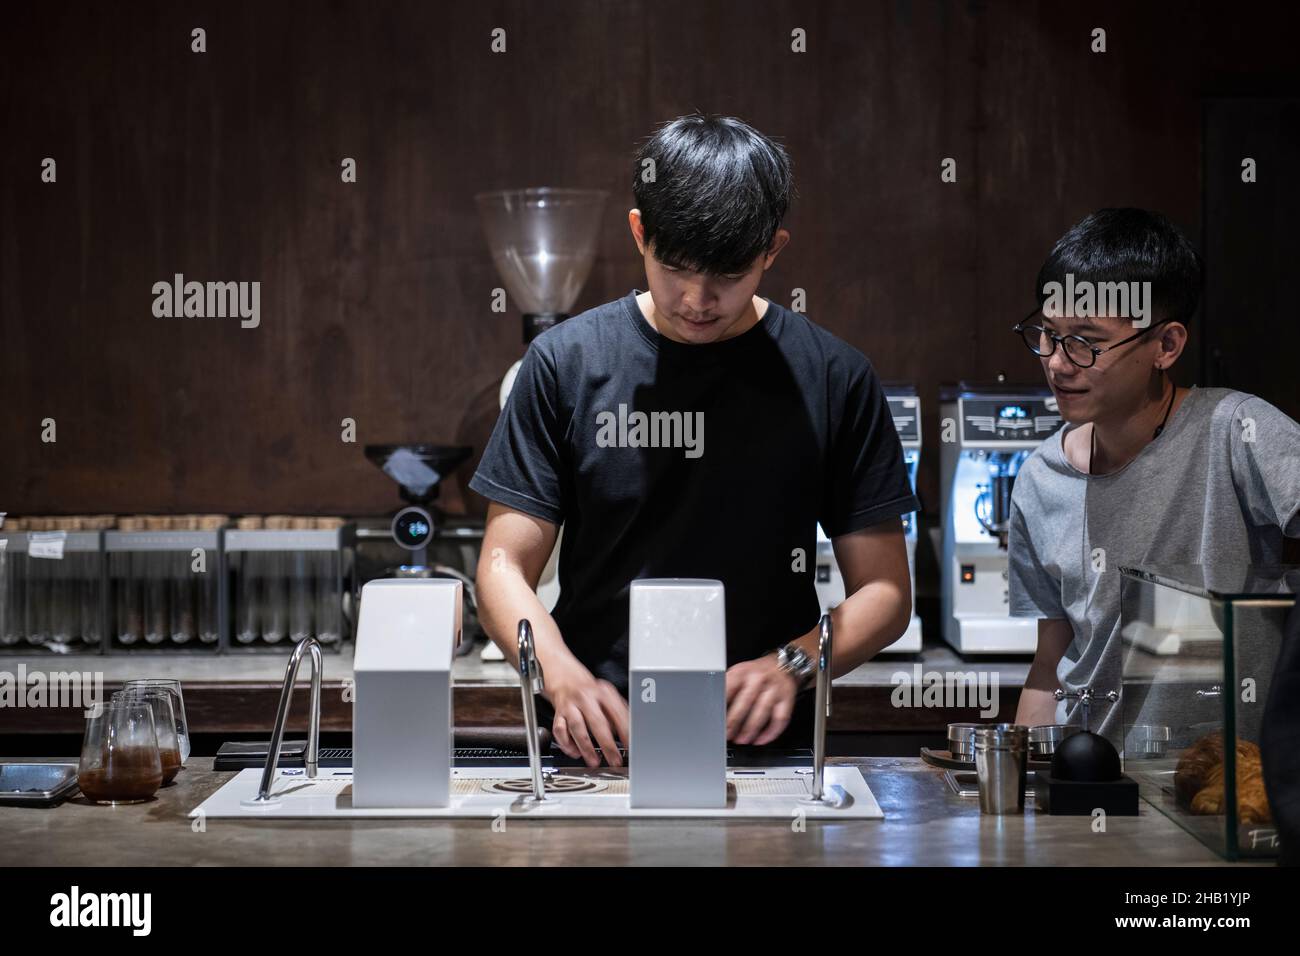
{"x":1198,"y":780}
{"x":1195,"y":766}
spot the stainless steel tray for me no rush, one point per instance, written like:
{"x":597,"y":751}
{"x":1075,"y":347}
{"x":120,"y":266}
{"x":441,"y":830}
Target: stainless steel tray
{"x":36,"y":784}
{"x":965,"y":783}
{"x":944,"y":760}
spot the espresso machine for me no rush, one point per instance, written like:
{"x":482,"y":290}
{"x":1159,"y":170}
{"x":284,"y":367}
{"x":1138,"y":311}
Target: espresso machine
{"x":989,"y":431}
{"x":905,"y":408}
{"x":543,"y":243}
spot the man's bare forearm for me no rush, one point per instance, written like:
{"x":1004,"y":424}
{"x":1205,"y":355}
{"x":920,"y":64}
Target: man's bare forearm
{"x":864,"y":623}
{"x":878,"y":607}
{"x":1037,"y":705}
{"x":504,"y":599}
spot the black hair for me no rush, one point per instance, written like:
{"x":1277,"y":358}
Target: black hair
{"x":717,"y":196}
{"x":1129,"y":245}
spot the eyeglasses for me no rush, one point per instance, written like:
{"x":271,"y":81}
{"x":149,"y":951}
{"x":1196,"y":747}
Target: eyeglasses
{"x":1042,"y":342}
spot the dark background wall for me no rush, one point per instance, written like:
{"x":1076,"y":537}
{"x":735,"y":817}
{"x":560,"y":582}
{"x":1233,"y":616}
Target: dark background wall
{"x":376,"y":295}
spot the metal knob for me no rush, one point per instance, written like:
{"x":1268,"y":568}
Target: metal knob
{"x":1086,"y":696}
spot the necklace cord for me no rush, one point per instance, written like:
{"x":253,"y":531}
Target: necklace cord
{"x":1092,"y":435}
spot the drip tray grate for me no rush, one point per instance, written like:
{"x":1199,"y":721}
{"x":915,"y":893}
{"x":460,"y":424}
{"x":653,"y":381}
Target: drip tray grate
{"x":554,"y":784}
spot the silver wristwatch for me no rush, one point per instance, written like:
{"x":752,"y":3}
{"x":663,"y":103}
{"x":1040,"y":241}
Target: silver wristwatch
{"x":795,"y":661}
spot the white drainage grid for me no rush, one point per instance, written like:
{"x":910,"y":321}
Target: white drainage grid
{"x":752,"y":793}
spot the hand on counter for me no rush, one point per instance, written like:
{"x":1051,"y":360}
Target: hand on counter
{"x":760,"y":700}
{"x":587,"y":709}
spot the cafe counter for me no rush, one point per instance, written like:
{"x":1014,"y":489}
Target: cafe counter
{"x":925,"y":823}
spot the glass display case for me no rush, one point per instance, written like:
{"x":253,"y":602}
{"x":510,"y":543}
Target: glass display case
{"x":174,"y":583}
{"x":163,"y":590}
{"x":1200,"y":645}
{"x":287,"y":581}
{"x":51,"y":591}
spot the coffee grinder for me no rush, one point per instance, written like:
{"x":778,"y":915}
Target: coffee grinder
{"x":543,"y":242}
{"x":987,"y":432}
{"x":418,"y":470}
{"x":905,"y":409}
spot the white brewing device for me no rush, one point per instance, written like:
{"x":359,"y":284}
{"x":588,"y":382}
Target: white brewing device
{"x":993,"y":429}
{"x":905,"y":408}
{"x":402,"y":713}
{"x":677,"y":693}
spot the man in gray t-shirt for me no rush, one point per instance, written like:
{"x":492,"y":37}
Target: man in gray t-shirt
{"x":1143,"y":473}
{"x":1200,"y":494}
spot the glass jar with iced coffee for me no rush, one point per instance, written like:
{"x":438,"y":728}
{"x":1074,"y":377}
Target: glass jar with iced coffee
{"x":164,"y":725}
{"x":120,"y":762}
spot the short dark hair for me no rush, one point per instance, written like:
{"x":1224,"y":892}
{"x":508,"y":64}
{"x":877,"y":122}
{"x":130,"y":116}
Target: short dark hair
{"x":718,"y":194}
{"x":1129,"y":245}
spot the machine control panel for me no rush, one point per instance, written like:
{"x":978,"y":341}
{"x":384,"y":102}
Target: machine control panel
{"x":906,"y":411}
{"x":1009,"y":419}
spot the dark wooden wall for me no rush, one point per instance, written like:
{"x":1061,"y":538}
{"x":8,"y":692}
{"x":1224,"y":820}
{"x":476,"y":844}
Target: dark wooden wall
{"x":375,"y":296}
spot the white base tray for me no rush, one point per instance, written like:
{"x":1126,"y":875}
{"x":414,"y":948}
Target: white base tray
{"x":752,"y":793}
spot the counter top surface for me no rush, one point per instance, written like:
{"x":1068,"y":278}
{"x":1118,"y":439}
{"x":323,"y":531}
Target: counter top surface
{"x":238,"y":693}
{"x":469,"y":669}
{"x":925,"y":824}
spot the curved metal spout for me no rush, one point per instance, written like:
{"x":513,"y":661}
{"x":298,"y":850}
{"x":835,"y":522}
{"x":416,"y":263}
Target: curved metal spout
{"x":282,"y":716}
{"x":823,"y":705}
{"x":531,"y":683}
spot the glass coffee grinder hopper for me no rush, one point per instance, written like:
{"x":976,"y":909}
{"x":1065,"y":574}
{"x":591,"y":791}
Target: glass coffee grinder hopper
{"x":543,"y":242}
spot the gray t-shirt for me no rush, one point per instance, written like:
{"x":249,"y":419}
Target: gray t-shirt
{"x":1220,"y":486}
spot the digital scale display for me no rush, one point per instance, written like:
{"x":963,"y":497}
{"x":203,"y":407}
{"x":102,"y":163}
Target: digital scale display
{"x":412,"y":528}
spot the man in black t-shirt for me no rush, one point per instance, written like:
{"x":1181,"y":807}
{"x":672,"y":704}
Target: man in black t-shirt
{"x":696,"y":431}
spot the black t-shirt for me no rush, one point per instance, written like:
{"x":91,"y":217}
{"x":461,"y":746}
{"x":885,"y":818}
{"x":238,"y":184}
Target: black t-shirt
{"x":775,"y":430}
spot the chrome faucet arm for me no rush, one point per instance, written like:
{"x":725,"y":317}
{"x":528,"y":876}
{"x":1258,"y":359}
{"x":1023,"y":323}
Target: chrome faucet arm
{"x":531,"y":683}
{"x":282,"y":715}
{"x":823,"y":706}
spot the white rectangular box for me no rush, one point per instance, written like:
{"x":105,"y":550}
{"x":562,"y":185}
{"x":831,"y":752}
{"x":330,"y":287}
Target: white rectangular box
{"x":677,"y":693}
{"x":402,"y":710}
